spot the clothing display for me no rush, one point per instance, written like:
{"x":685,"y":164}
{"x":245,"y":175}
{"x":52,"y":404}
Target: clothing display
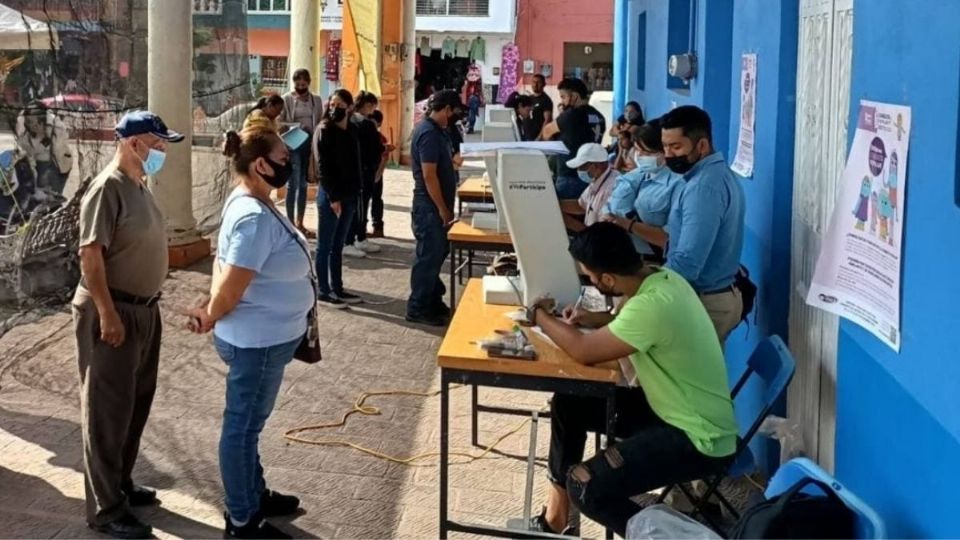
{"x":448,"y":48}
{"x":508,"y":71}
{"x":462,"y":48}
{"x":478,"y":50}
{"x":332,"y":68}
{"x":425,"y":46}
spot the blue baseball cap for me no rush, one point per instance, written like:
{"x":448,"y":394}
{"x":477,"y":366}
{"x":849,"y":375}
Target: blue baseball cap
{"x":140,"y":122}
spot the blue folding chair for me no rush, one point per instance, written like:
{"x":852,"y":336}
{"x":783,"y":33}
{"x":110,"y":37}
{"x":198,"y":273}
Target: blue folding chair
{"x":774,"y":365}
{"x":869,"y":524}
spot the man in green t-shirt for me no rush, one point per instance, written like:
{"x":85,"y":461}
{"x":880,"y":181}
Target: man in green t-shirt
{"x":677,"y":426}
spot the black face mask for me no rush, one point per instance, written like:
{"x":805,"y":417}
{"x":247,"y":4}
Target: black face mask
{"x":302,"y":91}
{"x":337,"y":114}
{"x":281,"y":173}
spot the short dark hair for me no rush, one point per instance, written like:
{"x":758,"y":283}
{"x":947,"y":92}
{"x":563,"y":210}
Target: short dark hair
{"x":366,"y":98}
{"x":517,"y":100}
{"x":303,"y":74}
{"x":377,"y":116}
{"x":633,"y":104}
{"x":694,"y":121}
{"x":541,"y":77}
{"x":574,"y":85}
{"x":648,"y":135}
{"x":606,"y":248}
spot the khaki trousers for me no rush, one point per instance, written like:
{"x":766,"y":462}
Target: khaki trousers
{"x":116,"y":391}
{"x":724,"y":310}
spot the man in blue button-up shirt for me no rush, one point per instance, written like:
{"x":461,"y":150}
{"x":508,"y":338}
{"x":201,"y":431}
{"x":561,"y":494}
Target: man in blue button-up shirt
{"x":707,"y":223}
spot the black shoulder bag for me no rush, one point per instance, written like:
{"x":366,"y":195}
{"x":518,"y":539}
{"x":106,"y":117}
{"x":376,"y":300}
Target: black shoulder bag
{"x":793,"y":514}
{"x":309,"y":348}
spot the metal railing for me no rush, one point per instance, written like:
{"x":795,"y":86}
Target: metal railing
{"x":208,"y":7}
{"x":454,"y":8}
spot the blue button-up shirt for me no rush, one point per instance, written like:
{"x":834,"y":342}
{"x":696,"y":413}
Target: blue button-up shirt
{"x":707,"y":226}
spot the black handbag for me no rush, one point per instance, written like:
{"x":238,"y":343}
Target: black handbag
{"x":309,"y":348}
{"x":793,"y":514}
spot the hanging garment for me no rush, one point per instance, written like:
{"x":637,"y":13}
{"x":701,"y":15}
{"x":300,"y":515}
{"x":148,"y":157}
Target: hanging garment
{"x":448,"y":48}
{"x":462,"y":48}
{"x":425,"y":46}
{"x":332,"y":67}
{"x":478,"y":50}
{"x":508,"y":71}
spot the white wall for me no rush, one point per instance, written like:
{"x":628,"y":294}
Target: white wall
{"x":501,"y":20}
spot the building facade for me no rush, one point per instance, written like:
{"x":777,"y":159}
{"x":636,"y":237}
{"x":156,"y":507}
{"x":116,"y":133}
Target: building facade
{"x":884,"y":422}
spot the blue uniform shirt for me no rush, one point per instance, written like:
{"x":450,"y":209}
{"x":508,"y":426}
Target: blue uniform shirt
{"x":431,"y":143}
{"x":707,"y":226}
{"x":650,"y":194}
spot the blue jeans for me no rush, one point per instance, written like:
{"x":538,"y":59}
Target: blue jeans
{"x":426,"y":287}
{"x":253,"y":382}
{"x":331,"y":232}
{"x":297,"y":185}
{"x":570,"y":187}
{"x":474,"y":104}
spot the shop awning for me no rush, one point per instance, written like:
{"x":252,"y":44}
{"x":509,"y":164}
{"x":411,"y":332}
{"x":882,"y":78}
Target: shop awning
{"x":20,"y":33}
{"x":268,"y":42}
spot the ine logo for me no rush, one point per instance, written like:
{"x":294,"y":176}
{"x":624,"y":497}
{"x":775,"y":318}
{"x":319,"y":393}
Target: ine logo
{"x":828,"y":299}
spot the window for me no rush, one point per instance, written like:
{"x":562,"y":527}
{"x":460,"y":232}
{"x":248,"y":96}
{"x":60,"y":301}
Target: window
{"x":458,"y":8}
{"x":269,"y":6}
{"x":642,"y":52}
{"x":208,"y":7}
{"x":273,"y":70}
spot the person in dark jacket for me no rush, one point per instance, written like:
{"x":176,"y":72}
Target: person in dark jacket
{"x":338,"y":159}
{"x":371,"y":152}
{"x":522,"y":106}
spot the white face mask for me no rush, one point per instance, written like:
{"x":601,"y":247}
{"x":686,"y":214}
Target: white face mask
{"x":645,"y":163}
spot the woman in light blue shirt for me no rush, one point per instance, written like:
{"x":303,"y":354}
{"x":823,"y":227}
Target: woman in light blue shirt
{"x":260,"y":296}
{"x":643,"y":197}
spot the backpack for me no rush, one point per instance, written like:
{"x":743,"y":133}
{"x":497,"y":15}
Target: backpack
{"x":793,"y":514}
{"x":748,"y":291}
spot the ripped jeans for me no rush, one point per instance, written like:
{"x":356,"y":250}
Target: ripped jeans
{"x":650,"y":454}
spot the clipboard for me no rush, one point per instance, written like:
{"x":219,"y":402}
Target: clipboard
{"x":295,"y":137}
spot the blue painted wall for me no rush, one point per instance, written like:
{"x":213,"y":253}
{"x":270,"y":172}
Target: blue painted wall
{"x":898,"y":427}
{"x":275,"y":21}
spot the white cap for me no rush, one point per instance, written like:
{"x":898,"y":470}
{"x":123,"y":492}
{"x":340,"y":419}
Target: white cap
{"x":589,"y":153}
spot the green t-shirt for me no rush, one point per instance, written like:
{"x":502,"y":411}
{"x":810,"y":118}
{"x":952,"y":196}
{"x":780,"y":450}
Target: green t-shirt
{"x":679,"y":361}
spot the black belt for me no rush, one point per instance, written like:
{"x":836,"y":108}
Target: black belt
{"x":728,"y":288}
{"x":127,"y":298}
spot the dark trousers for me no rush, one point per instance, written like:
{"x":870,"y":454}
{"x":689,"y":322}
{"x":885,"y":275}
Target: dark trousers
{"x":376,"y":205}
{"x":358,"y":231}
{"x":426,"y":287}
{"x":116,"y":391}
{"x":297,"y":184}
{"x":650,"y":454}
{"x":331,"y":231}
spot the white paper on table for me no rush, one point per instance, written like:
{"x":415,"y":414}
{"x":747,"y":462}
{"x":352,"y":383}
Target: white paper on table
{"x":481,"y":149}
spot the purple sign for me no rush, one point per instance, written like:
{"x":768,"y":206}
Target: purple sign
{"x":878,"y":154}
{"x":868,"y":119}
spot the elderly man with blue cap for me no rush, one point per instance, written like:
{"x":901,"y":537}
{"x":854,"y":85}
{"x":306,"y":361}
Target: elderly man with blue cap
{"x":123,"y":261}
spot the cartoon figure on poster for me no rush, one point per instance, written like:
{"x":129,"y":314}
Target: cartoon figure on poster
{"x":746,"y":115}
{"x":891,"y":182}
{"x":874,"y":201}
{"x":862,"y":209}
{"x":886,"y":218}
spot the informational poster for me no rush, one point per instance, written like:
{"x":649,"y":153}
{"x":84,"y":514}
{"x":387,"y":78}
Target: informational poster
{"x":743,"y":163}
{"x":332,"y":16}
{"x":858,"y":270}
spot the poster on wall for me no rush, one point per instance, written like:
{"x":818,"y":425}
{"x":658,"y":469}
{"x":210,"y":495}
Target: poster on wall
{"x":743,"y":163}
{"x":858,"y":270}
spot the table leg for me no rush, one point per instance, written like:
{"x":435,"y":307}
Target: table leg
{"x":611,"y":434}
{"x":474,"y":416}
{"x":444,"y":451}
{"x":453,"y":277}
{"x":470,"y":264}
{"x":531,"y":467}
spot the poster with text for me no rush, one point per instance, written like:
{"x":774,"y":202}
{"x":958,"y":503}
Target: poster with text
{"x":858,"y":270}
{"x":743,"y":163}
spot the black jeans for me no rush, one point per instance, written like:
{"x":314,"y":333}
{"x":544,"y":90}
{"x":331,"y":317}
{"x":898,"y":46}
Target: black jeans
{"x":358,"y":231}
{"x":376,"y":205}
{"x":650,"y":454}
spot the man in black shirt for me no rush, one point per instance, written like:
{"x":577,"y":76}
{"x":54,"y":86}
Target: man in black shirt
{"x":434,"y":191}
{"x":578,"y":124}
{"x":542,"y":113}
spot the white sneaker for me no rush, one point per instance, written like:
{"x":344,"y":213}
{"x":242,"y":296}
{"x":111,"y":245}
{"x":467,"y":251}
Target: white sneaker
{"x":367,"y":246}
{"x":354,"y":251}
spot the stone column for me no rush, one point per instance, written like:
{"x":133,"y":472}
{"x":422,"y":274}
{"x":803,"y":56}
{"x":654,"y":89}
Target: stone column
{"x":407,"y":84}
{"x":170,"y":95}
{"x":304,"y":28}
